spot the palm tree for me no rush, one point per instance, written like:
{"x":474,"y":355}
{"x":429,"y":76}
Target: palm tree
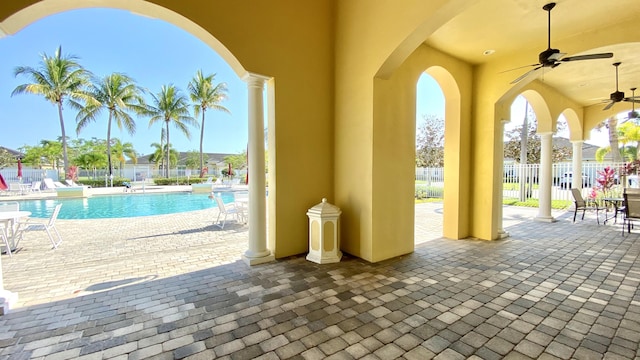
{"x":206,"y":95}
{"x":158,"y":156}
{"x":59,"y":79}
{"x":121,"y":150}
{"x":170,"y":106}
{"x":92,"y":160}
{"x":118,"y":94}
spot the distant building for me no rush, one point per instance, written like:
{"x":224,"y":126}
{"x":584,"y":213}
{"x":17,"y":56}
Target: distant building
{"x":15,"y":153}
{"x":588,"y":150}
{"x":213,"y":161}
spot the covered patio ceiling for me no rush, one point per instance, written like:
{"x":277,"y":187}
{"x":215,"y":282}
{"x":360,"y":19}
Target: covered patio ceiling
{"x":515,"y":31}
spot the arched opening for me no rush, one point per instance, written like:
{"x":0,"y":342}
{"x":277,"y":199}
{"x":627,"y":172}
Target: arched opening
{"x":251,"y":108}
{"x":430,"y":145}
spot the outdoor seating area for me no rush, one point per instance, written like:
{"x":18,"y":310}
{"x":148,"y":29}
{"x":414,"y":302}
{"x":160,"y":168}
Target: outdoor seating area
{"x":14,"y":223}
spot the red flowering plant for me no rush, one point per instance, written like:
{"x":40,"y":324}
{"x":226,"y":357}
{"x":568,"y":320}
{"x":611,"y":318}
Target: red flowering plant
{"x":72,"y":173}
{"x":606,"y":180}
{"x":630,"y":168}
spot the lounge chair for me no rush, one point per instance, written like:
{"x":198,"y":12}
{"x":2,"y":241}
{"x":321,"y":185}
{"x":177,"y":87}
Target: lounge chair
{"x":74,"y":184}
{"x":581,"y":205}
{"x":49,"y":184}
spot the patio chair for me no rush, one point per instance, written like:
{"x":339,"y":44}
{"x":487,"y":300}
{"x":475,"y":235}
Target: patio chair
{"x":226,"y":210}
{"x":48,"y":227}
{"x":16,"y":188}
{"x":631,"y":210}
{"x":35,"y":186}
{"x":581,"y":205}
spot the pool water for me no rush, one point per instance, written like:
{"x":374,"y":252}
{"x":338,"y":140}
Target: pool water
{"x":120,"y":206}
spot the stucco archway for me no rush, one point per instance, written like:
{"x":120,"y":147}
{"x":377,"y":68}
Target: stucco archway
{"x":257,"y":250}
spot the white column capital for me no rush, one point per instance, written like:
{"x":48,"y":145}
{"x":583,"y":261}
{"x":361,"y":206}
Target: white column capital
{"x":255,"y":80}
{"x":578,"y":142}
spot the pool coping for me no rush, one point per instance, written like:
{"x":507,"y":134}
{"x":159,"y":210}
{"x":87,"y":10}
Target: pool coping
{"x":49,"y":194}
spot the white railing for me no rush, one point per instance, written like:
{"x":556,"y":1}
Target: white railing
{"x":520,"y":181}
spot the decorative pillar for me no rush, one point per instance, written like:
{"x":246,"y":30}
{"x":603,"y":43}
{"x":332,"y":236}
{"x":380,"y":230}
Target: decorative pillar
{"x":324,"y":233}
{"x":545,"y":178}
{"x":576,"y":162}
{"x":257,"y":252}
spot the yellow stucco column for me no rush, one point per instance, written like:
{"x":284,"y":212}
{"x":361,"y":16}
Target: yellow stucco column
{"x":576,"y":162}
{"x":257,"y":252}
{"x":544,"y":178}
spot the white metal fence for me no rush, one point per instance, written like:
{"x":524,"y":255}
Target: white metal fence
{"x":133,"y":173}
{"x":520,"y":181}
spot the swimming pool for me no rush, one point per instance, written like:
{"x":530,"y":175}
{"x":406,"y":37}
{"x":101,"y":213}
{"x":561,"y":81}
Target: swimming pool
{"x":119,"y":206}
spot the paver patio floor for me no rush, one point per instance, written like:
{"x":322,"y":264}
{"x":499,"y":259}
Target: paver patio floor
{"x":167,"y":287}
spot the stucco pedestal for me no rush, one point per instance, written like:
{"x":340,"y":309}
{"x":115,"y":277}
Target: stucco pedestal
{"x":201,"y":188}
{"x":73,"y":191}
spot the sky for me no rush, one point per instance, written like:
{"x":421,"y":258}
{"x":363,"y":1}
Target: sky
{"x":152,"y":52}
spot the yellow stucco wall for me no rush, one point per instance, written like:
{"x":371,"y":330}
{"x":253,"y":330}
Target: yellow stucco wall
{"x":373,"y":174}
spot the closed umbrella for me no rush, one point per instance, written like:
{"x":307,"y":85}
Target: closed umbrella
{"x":230,"y":172}
{"x":19,"y":169}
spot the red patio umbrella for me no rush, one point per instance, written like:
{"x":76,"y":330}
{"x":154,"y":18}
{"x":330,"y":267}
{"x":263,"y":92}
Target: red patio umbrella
{"x":19,"y":168}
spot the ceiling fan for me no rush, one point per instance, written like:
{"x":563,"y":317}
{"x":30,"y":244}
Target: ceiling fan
{"x":553,"y":57}
{"x":618,"y":96}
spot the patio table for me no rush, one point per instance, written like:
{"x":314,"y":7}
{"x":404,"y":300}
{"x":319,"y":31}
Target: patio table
{"x":10,"y":219}
{"x":618,"y":206}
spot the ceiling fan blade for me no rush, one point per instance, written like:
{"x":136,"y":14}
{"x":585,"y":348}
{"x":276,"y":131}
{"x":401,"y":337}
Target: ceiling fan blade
{"x":526,"y":74}
{"x":588,"y":57}
{"x":632,"y":100}
{"x":519,"y":67}
{"x":609,"y":105}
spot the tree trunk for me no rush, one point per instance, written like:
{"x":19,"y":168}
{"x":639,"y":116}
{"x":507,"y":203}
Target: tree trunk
{"x":109,"y":146}
{"x":201,"y":141}
{"x":612,"y":125}
{"x":168,"y":149}
{"x":65,"y":158}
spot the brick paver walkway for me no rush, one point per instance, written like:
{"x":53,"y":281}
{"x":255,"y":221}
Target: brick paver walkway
{"x":171,"y":287}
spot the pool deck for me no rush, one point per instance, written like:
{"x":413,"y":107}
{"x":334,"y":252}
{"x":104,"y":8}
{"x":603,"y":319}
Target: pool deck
{"x":174,"y":286}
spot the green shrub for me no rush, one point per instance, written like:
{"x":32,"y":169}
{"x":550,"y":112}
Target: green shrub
{"x":424,"y":191}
